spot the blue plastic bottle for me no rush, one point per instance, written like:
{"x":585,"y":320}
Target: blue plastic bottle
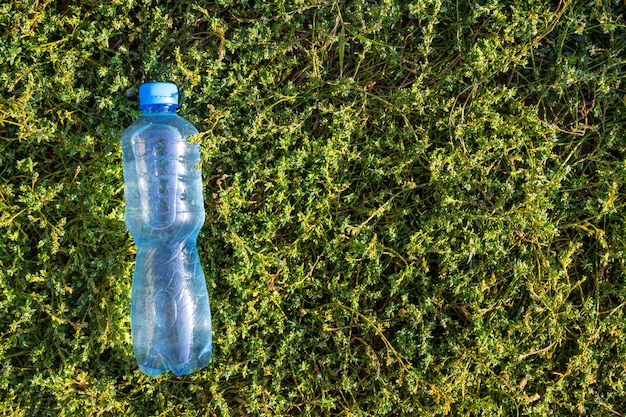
{"x":170,"y":313}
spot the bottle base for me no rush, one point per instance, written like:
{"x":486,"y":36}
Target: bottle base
{"x":159,"y":364}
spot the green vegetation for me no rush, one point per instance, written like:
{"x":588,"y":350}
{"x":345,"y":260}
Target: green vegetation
{"x":413,"y":208}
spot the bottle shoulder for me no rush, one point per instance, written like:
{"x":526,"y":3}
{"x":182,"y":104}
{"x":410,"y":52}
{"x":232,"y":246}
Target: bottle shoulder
{"x":184,"y":127}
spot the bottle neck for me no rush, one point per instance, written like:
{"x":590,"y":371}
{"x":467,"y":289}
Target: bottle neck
{"x":152,"y":109}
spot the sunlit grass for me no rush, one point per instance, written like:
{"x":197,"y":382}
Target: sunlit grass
{"x":412,"y":208}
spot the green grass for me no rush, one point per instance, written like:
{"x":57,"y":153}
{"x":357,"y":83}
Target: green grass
{"x":413,"y":208}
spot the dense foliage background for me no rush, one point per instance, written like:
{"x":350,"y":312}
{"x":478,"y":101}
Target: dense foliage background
{"x":413,"y":208}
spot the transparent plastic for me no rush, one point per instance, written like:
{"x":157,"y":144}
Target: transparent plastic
{"x":170,"y":312}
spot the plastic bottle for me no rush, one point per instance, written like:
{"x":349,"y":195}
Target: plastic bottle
{"x":170,"y":313}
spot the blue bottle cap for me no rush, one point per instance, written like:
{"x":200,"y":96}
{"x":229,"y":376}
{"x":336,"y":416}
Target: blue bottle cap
{"x":158,"y":93}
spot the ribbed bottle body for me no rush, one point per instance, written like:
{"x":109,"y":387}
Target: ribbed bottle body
{"x":170,"y":312}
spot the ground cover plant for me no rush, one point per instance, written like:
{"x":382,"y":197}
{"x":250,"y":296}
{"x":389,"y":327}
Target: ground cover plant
{"x":413,"y":208}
